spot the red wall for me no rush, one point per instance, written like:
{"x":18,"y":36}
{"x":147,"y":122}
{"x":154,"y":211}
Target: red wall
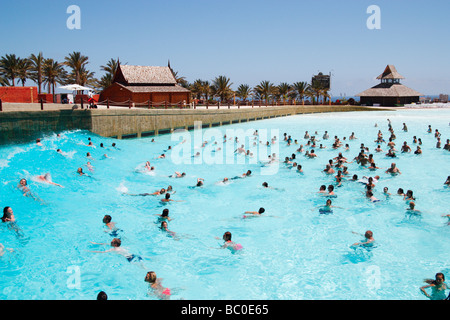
{"x":46,"y":97}
{"x":19,"y":94}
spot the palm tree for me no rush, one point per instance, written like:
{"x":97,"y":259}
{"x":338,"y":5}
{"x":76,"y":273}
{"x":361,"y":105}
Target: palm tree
{"x":87,"y":78}
{"x":24,"y":70}
{"x":10,"y":67}
{"x":243,"y":92}
{"x":283,"y":90}
{"x":37,"y":63}
{"x":316,"y":88}
{"x":77,"y":63}
{"x":325,"y":95}
{"x":205,"y":89}
{"x":196,"y":89}
{"x":264,"y":89}
{"x":53,"y":73}
{"x":299,"y":90}
{"x":106,"y":80}
{"x":179,"y":79}
{"x":3,"y":81}
{"x":310,"y":94}
{"x":221,"y":87}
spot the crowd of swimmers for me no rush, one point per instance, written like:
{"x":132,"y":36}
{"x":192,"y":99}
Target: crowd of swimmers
{"x":337,"y":167}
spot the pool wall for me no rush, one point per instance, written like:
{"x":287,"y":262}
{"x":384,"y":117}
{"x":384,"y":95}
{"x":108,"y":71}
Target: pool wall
{"x":21,"y":126}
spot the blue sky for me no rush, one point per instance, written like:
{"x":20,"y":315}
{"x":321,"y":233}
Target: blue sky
{"x":247,"y":40}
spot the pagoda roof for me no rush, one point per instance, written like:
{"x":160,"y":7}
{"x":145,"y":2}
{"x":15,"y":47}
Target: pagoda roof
{"x":389,"y":90}
{"x":390,"y":73}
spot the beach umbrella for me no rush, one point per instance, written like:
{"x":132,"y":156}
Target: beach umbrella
{"x":74,"y":87}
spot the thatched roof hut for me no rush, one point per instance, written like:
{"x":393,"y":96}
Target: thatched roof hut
{"x":141,"y":84}
{"x":390,"y":92}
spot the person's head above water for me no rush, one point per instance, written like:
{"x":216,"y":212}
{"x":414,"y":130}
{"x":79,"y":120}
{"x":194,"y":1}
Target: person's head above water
{"x":107,"y":219}
{"x":150,"y":277}
{"x":116,"y":242}
{"x":227,"y":236}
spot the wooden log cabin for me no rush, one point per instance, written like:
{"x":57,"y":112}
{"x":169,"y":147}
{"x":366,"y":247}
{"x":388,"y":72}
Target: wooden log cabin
{"x":143,"y":85}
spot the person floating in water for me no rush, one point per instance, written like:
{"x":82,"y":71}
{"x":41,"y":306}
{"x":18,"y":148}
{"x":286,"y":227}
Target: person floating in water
{"x":23,"y":186}
{"x":47,"y":178}
{"x":156,"y":286}
{"x":438,"y":287}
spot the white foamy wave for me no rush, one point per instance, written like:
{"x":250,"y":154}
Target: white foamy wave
{"x":121,"y":188}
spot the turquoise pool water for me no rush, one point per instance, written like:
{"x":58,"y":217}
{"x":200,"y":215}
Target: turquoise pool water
{"x":290,"y":252}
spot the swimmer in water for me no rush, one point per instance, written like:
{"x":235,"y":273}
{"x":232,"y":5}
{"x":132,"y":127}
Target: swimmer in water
{"x":80,"y":172}
{"x":164,"y":216}
{"x":8,"y":215}
{"x":232,"y":246}
{"x":178,"y":175}
{"x":412,"y":209}
{"x":327,"y":208}
{"x":23,"y":185}
{"x":200,"y":182}
{"x":48,"y":179}
{"x":330,"y":189}
{"x":438,"y":287}
{"x":90,"y":166}
{"x":405,"y":147}
{"x":107,"y":220}
{"x":367,"y":242}
{"x":447,"y":182}
{"x":167,"y":199}
{"x":116,"y":248}
{"x":164,"y":227}
{"x":249,"y":214}
{"x":409,"y":196}
{"x":370,"y":196}
{"x":244,"y":175}
{"x":393,"y":169}
{"x":156,"y":286}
